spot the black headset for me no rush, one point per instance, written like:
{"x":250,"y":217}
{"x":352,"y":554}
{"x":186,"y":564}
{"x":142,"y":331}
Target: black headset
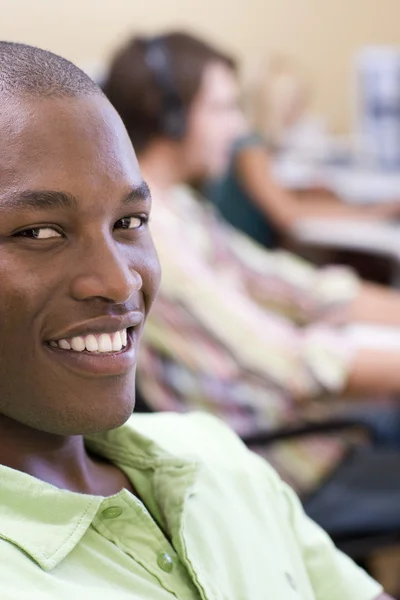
{"x":173,"y":114}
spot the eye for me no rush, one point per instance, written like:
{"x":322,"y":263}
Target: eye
{"x":39,"y":233}
{"x":131,"y":222}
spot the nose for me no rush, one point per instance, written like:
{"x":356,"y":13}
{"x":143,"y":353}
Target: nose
{"x":104,"y":271}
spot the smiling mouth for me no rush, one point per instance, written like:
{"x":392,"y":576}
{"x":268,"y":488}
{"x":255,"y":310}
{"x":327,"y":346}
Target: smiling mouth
{"x":95,"y":343}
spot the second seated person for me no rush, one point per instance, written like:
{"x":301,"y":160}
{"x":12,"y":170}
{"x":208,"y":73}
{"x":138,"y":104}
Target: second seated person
{"x":247,"y":194}
{"x":250,"y":335}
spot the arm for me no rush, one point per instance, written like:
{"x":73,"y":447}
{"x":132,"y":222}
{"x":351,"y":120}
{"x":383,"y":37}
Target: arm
{"x":374,"y":372}
{"x":285,"y":209}
{"x":253,"y":173}
{"x":304,"y":362}
{"x":292,"y":286}
{"x":307,"y":293}
{"x":255,"y":339}
{"x":375,"y":304}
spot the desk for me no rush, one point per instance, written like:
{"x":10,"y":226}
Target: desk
{"x":380,"y":238}
{"x":351,"y":184}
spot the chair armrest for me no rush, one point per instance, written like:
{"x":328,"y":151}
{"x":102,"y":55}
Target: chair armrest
{"x":305,"y":429}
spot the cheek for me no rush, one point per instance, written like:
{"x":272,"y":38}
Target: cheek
{"x":22,"y":311}
{"x":146,"y":263}
{"x":25,"y":288}
{"x":219,"y":149}
{"x":200,"y":139}
{"x":225,"y":130}
{"x":153,"y":279}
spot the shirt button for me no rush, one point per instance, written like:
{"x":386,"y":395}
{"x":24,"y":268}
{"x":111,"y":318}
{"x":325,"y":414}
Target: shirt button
{"x":165,"y":562}
{"x":112,"y":512}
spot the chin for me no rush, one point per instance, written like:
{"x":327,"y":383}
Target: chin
{"x":87,"y":420}
{"x":104,"y":407}
{"x":106,"y":424}
{"x":103,"y":421}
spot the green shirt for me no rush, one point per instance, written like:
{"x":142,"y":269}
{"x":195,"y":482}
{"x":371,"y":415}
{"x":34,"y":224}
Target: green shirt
{"x":215,"y":523}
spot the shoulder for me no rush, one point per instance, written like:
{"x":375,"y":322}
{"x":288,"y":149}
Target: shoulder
{"x":194,"y":432}
{"x":201,"y":436}
{"x":249,"y":141}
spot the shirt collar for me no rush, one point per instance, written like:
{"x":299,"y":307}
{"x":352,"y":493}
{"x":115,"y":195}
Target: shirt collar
{"x":46,"y":522}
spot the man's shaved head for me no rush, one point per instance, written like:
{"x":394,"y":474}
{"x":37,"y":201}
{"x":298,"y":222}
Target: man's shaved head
{"x":30,"y":71}
{"x":77,"y":258}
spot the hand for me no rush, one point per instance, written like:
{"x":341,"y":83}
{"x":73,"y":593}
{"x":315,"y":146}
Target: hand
{"x":386,"y":210}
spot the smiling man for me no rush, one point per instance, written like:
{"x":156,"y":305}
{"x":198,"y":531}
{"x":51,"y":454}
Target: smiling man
{"x":165,"y":506}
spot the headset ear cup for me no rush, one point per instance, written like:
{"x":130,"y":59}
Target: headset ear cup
{"x":172,"y":114}
{"x":174,"y":123}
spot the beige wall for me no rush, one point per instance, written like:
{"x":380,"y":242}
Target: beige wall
{"x":323,"y":34}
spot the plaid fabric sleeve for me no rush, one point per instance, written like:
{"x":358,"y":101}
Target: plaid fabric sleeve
{"x":303,"y":362}
{"x":290,"y":285}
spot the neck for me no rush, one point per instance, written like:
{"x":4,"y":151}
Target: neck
{"x":62,"y":461}
{"x":162,"y":165}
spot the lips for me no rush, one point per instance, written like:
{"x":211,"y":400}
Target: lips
{"x":103,"y":346}
{"x":98,"y":326}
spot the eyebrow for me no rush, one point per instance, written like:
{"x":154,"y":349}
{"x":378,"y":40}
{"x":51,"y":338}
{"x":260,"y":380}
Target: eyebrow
{"x":140,"y":193}
{"x":52,"y":199}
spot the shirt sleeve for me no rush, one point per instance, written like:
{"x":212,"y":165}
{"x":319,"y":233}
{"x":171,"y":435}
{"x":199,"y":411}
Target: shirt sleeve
{"x":251,"y":140}
{"x":290,"y":284}
{"x":303,"y":362}
{"x":333,"y":575}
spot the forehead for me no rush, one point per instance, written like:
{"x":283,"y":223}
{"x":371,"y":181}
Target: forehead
{"x":218,"y":82}
{"x":64,"y":143}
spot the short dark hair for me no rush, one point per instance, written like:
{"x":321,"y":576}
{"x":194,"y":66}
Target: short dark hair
{"x":132,"y":89}
{"x":30,"y":71}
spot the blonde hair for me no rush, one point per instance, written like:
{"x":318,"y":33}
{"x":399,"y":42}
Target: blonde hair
{"x":271,"y":89}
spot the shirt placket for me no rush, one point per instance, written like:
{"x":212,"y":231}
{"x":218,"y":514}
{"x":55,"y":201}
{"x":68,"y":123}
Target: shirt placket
{"x":126,"y":522}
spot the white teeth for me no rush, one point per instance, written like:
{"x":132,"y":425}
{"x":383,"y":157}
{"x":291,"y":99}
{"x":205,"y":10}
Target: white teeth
{"x":91,"y":343}
{"x":64,"y":345}
{"x":78,"y":344}
{"x":117,"y":342}
{"x":105,"y":343}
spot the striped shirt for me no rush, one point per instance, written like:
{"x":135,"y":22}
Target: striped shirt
{"x":239,"y":331}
